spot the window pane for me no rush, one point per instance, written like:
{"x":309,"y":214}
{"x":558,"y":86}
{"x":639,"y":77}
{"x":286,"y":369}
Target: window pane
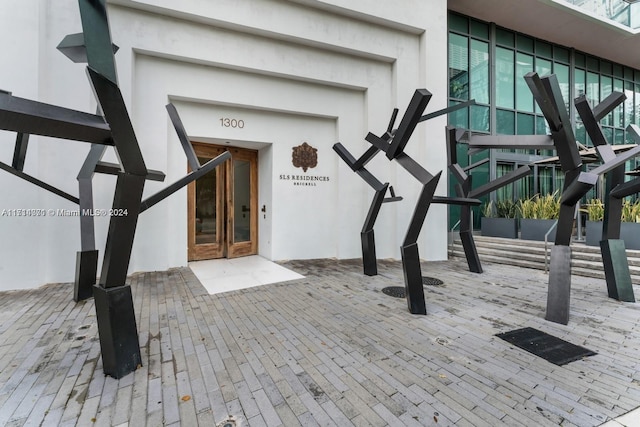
{"x":617,"y":70}
{"x":593,"y":63}
{"x":606,"y":67}
{"x":618,"y":136}
{"x":506,"y":192}
{"x":628,"y":73}
{"x":524,"y":98}
{"x":458,"y":23}
{"x":504,"y":78}
{"x":579,"y":76}
{"x":479,"y":118}
{"x":628,"y":104}
{"x":560,"y":54}
{"x":543,"y":67}
{"x":504,"y":37}
{"x":545,"y":180}
{"x":562,"y":72}
{"x":543,"y":49}
{"x":480,"y":71}
{"x":459,"y":118}
{"x":618,"y":119}
{"x":606,"y":87}
{"x":525,"y":43}
{"x":525,"y":124}
{"x":593,"y":89}
{"x":581,"y":134}
{"x":505,"y":123}
{"x":479,"y":29}
{"x":458,"y":67}
{"x":580,"y":60}
{"x":637,"y":102}
{"x":541,"y":126}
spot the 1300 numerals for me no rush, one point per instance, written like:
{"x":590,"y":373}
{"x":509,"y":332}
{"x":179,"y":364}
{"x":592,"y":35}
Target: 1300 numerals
{"x":228,"y":122}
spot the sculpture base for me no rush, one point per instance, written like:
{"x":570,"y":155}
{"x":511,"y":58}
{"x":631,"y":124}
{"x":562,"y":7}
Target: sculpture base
{"x":117,"y":330}
{"x":559,"y":291}
{"x":470,"y":252}
{"x":369,"y":261}
{"x":413,"y":279}
{"x":616,"y":270}
{"x":86,"y":271}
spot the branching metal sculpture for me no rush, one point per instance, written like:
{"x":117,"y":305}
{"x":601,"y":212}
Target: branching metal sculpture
{"x":367,"y":236}
{"x":393,"y":144}
{"x":546,"y":92}
{"x":614,"y":257}
{"x":113,"y":299}
{"x":464,"y":186}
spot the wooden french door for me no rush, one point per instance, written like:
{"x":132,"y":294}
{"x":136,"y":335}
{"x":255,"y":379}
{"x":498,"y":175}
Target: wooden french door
{"x":223,"y":205}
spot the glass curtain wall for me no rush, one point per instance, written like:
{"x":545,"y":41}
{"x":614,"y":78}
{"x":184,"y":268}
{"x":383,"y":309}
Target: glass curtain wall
{"x":487,"y":63}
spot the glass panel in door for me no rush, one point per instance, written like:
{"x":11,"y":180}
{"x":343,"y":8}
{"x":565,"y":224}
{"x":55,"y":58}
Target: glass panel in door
{"x":205,"y":198}
{"x":206,"y":205}
{"x":241,"y":201}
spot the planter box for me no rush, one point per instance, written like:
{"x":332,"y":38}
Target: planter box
{"x":593,"y":233}
{"x":500,"y":227}
{"x":535,"y":229}
{"x":629,"y":232}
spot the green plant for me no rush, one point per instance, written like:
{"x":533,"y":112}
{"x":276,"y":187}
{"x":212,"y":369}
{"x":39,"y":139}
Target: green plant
{"x":630,"y":211}
{"x":506,"y":209}
{"x":594,"y":210}
{"x":487,"y":209}
{"x":500,"y":209}
{"x":540,"y":207}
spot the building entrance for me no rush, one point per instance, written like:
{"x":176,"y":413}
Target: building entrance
{"x":222,"y":205}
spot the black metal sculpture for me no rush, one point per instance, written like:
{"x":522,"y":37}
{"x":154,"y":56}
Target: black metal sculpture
{"x":546,"y":92}
{"x":614,"y":257}
{"x":393,"y":144}
{"x":464,"y":186}
{"x":367,"y":236}
{"x":113,"y":300}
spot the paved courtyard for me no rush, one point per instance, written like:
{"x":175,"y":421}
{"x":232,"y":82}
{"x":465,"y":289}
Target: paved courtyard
{"x":329,"y":349}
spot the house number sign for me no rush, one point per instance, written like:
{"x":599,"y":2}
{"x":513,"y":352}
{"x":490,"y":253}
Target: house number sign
{"x":228,"y":122}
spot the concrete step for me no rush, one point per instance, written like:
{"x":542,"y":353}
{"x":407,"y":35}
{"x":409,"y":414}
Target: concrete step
{"x":585,"y":260}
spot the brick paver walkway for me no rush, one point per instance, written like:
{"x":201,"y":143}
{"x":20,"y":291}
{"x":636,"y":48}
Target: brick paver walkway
{"x":330,"y":349}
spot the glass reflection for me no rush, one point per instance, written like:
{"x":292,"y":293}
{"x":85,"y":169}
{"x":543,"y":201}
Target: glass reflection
{"x":206,"y":206}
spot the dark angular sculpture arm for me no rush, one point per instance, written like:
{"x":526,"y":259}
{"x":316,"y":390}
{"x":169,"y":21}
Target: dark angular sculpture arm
{"x":447,"y":110}
{"x":410,"y":120}
{"x":182,"y":136}
{"x":192,"y":176}
{"x":20,"y":151}
{"x":39,"y":183}
{"x":36,"y":118}
{"x":506,"y":179}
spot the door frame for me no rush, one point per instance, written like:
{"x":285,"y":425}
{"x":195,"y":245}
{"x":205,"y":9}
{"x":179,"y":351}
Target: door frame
{"x":224,"y":245}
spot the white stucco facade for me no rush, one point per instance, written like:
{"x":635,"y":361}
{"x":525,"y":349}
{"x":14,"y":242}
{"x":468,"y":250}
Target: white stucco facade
{"x":293,"y":71}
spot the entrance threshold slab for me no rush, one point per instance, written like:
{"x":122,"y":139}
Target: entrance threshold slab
{"x":224,"y":275}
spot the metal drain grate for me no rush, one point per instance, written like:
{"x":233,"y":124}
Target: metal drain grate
{"x":550,"y":348}
{"x":229,"y":422}
{"x":431,"y":281}
{"x":394,"y":291}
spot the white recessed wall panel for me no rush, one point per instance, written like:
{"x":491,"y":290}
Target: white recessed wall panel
{"x":295,"y":71}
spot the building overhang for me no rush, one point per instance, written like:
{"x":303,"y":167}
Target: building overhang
{"x":559,"y":22}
